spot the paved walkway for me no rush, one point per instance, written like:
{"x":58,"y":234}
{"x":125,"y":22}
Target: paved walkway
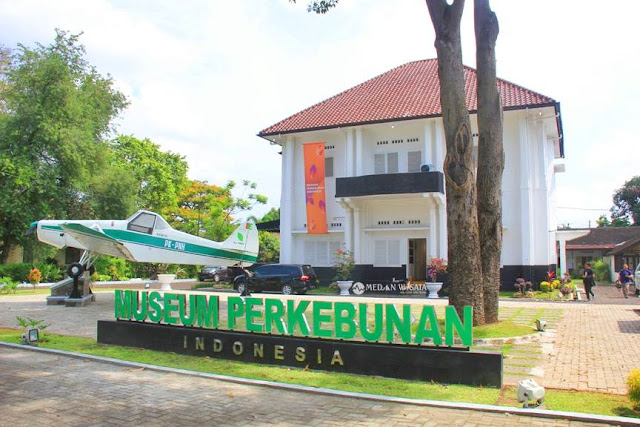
{"x":44,"y":389}
{"x":589,"y":346}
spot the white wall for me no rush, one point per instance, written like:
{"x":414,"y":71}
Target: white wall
{"x":529,"y":197}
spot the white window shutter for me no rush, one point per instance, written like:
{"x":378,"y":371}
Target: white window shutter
{"x":379,"y":164}
{"x":309,"y":253}
{"x":414,"y":160}
{"x":380,"y":255}
{"x":392,"y":162}
{"x":393,"y":249}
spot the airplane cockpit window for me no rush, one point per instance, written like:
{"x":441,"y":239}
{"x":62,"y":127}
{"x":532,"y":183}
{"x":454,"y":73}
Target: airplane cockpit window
{"x":161,"y":224}
{"x":143,"y":223}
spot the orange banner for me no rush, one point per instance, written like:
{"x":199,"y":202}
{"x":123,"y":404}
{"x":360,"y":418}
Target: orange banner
{"x":314,"y":188}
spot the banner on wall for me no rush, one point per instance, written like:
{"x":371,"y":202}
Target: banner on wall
{"x":314,"y":188}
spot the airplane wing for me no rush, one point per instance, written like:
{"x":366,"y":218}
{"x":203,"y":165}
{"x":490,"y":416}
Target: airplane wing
{"x":96,"y":241}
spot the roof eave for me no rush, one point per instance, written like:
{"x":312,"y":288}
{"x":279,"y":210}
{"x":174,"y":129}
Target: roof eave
{"x":554,"y":104}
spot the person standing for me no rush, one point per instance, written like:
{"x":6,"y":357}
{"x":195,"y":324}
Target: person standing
{"x":588,"y":281}
{"x":626,"y":277}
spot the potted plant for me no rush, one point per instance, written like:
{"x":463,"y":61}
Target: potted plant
{"x":344,"y":265}
{"x":435,"y":266}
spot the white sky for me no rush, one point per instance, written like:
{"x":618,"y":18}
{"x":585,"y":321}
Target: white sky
{"x":205,"y":76}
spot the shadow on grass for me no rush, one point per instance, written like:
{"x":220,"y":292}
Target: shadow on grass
{"x":624,"y":411}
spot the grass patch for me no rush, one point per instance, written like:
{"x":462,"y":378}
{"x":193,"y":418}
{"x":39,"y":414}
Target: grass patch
{"x":502,"y":329}
{"x":596,"y":403}
{"x":589,"y":403}
{"x":337,"y":381}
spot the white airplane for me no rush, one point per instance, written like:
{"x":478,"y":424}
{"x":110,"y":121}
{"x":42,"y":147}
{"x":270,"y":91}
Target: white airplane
{"x":147,"y":237}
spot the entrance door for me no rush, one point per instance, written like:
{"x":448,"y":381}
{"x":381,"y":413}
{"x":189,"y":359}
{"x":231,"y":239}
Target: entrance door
{"x":417,"y":259}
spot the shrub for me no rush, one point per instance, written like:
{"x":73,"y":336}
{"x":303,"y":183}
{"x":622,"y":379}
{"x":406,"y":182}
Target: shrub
{"x":601,"y":271}
{"x":50,"y":272}
{"x":546,"y":286}
{"x":555,"y":284}
{"x":115,"y":267}
{"x":8,"y":286}
{"x":633,"y":382}
{"x":104,"y":278}
{"x":28,"y":323}
{"x":17,"y":272}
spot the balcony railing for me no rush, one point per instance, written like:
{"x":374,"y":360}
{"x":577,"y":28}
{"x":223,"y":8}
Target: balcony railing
{"x":392,"y":183}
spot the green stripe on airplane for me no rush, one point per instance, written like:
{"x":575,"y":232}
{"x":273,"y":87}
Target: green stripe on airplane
{"x":160,"y":243}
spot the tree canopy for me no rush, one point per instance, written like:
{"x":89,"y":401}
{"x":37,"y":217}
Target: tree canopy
{"x":56,"y":112}
{"x":159,"y":177}
{"x":626,"y":203}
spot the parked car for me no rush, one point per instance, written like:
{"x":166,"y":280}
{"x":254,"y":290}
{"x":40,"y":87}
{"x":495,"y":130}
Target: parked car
{"x":215,"y":273}
{"x":285,"y":278}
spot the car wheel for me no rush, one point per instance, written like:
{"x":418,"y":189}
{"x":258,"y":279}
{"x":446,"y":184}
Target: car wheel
{"x":216,"y":278}
{"x":287,"y":289}
{"x":241,"y":287}
{"x":75,"y":269}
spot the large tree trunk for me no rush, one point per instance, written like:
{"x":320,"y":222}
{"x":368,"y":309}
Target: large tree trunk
{"x":490,"y":156}
{"x":462,"y":221}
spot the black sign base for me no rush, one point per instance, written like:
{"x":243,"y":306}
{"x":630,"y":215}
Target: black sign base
{"x":412,"y":362}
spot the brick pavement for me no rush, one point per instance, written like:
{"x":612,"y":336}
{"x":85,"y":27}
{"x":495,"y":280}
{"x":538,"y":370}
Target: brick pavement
{"x":51,"y":390}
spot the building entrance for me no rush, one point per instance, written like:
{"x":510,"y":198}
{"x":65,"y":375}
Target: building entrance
{"x":417,"y":265}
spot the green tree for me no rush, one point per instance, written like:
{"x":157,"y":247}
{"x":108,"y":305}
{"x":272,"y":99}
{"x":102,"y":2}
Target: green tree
{"x":272,"y":215}
{"x":55,"y":113}
{"x":159,"y":177}
{"x":269,"y":247}
{"x":209,"y":210}
{"x":626,"y":202}
{"x":603,"y":221}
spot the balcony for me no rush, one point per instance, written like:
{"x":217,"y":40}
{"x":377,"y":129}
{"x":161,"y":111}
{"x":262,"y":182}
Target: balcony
{"x":391,"y":183}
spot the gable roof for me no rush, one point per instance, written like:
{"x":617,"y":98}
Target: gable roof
{"x":410,"y":91}
{"x":614,"y":239}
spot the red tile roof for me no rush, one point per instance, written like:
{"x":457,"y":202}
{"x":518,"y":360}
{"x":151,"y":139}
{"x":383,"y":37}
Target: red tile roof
{"x":615,"y":239}
{"x":409,"y":91}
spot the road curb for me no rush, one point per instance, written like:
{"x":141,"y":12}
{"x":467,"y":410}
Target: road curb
{"x":540,"y":413}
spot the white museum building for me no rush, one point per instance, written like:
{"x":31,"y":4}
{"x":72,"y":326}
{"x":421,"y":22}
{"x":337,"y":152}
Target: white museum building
{"x":385,"y":188}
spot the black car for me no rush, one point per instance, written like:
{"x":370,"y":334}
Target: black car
{"x":216,"y":274}
{"x":285,"y":278}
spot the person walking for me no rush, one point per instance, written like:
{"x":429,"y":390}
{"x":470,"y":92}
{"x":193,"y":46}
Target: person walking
{"x":588,"y":281}
{"x":626,"y":277}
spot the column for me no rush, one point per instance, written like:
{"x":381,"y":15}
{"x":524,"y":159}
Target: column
{"x":348,"y":226}
{"x":563,"y":256}
{"x":433,"y":231}
{"x":349,"y":155}
{"x":526,"y":205}
{"x":439,"y":145}
{"x":359,"y":160}
{"x":357,"y":233}
{"x":443,"y":244}
{"x":287,"y":205}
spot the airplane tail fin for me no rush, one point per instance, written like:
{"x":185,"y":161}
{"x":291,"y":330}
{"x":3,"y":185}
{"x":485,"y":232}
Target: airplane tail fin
{"x":244,"y":240}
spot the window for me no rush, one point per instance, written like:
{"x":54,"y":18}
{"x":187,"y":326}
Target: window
{"x":161,"y":224}
{"x":414,"y":160}
{"x":320,"y":253}
{"x":385,"y":163}
{"x":328,"y":167}
{"x":143,"y":223}
{"x":386,"y":252}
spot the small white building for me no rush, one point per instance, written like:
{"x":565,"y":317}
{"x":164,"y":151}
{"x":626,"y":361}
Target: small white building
{"x":385,"y":188}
